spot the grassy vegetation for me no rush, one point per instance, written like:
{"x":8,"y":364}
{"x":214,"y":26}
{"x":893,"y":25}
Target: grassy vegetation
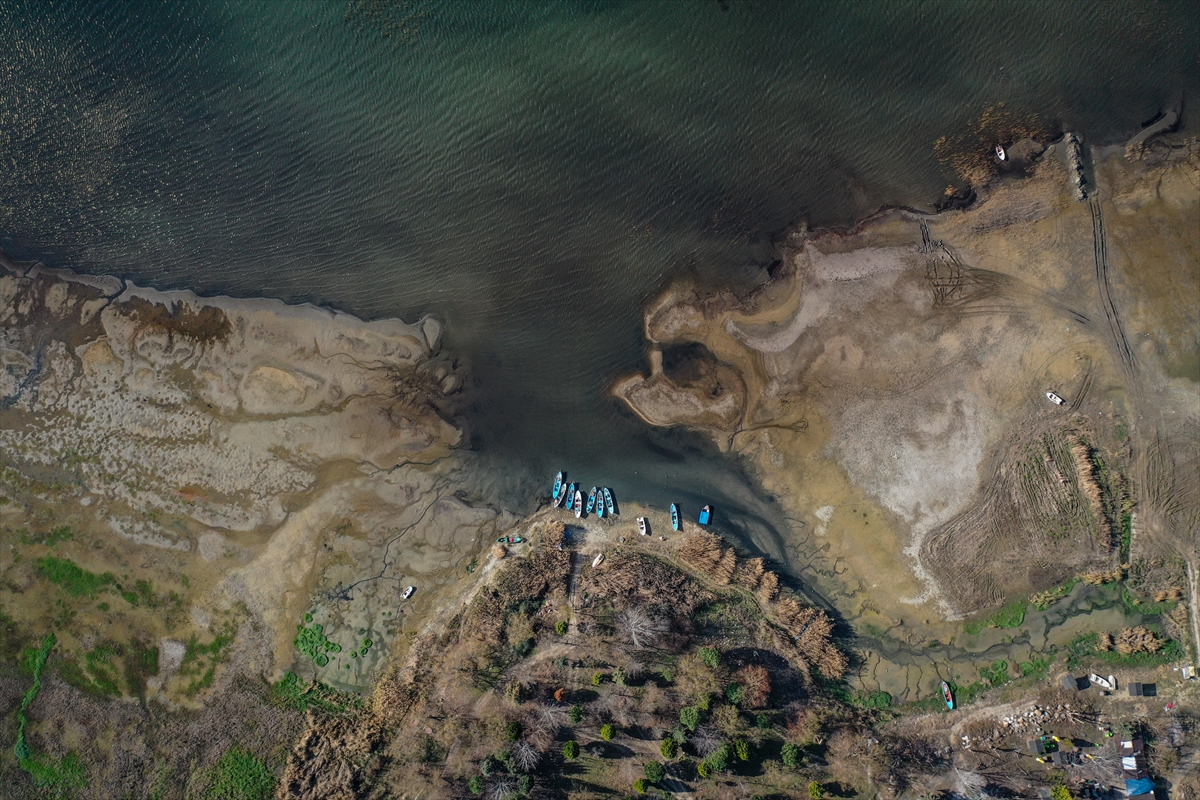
{"x":73,"y":579}
{"x":293,"y":692}
{"x":1084,"y":646}
{"x":200,"y":660}
{"x":1043,"y":600}
{"x":239,"y":775}
{"x":60,"y":776}
{"x":1009,"y":616}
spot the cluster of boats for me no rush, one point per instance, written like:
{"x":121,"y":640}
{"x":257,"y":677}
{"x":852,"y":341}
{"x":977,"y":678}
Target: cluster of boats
{"x":600,"y":499}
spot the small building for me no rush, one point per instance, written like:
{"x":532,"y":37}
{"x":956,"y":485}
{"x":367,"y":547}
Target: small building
{"x":1143,"y":690}
{"x":1075,"y":684}
{"x":1037,"y":747}
{"x":1133,"y":761}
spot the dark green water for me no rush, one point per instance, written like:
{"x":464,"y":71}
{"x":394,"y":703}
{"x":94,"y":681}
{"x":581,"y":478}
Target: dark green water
{"x":534,"y":172}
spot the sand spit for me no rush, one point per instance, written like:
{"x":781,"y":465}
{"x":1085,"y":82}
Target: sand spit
{"x":894,"y":380}
{"x":248,"y":454}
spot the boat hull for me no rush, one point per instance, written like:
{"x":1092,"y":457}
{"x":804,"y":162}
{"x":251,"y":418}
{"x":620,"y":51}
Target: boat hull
{"x":558,"y":480}
{"x":675,"y":516}
{"x":609,"y":505}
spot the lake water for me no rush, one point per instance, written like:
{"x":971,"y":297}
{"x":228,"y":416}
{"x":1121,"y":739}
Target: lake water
{"x":533,"y":172}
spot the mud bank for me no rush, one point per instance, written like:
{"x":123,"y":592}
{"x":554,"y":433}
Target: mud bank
{"x":890,"y":391}
{"x":252,"y":460}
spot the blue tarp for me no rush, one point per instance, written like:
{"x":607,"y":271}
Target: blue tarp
{"x":1139,"y":786}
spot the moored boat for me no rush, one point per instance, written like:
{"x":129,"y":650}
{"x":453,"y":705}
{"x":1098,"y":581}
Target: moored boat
{"x":643,"y":528}
{"x":947,"y":695}
{"x":706,"y":515}
{"x":676,"y":522}
{"x":609,"y":505}
{"x":571,"y":492}
{"x":591,"y":504}
{"x":599,"y":504}
{"x":598,"y":559}
{"x":579,"y":512}
{"x":558,"y":479}
{"x":408,"y":593}
{"x":1000,"y":154}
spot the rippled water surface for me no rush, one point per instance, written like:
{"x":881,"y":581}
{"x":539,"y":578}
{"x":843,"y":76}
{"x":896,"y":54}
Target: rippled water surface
{"x":534,"y":172}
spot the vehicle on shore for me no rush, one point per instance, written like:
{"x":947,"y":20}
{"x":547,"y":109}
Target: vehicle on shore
{"x":643,"y":528}
{"x":510,"y":540}
{"x":591,"y":501}
{"x":558,"y":483}
{"x":1054,"y":398}
{"x":579,"y":512}
{"x":676,"y":522}
{"x":705,"y":515}
{"x":1001,"y":154}
{"x":408,"y":593}
{"x":609,"y":505}
{"x":947,"y":695}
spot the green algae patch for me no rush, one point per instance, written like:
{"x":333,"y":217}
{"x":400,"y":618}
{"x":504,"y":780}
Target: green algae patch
{"x":62,"y":774}
{"x":312,"y":642}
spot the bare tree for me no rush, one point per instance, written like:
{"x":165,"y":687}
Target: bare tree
{"x":638,"y":626}
{"x":526,"y":756}
{"x":502,"y":788}
{"x":706,"y":740}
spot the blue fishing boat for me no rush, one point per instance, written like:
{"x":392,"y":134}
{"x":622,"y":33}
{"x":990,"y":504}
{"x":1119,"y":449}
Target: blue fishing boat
{"x":609,"y":505}
{"x":599,"y":505}
{"x":578,"y":504}
{"x":571,"y":492}
{"x":676,"y":522}
{"x":558,"y":479}
{"x":706,"y":515}
{"x":947,"y":695}
{"x":591,"y":506}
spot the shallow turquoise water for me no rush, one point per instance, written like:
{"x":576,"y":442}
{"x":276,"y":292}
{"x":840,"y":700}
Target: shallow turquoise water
{"x":534,"y":172}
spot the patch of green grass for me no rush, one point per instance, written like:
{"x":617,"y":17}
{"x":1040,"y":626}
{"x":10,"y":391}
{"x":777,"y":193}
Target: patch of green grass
{"x":1135,"y":605}
{"x":73,"y":579}
{"x":61,"y":776}
{"x":871,"y":700}
{"x":1037,"y":668}
{"x":996,"y":674}
{"x":1084,"y":646}
{"x":141,"y":662}
{"x":1009,"y":616}
{"x":239,"y":775}
{"x":62,"y":533}
{"x":200,"y":659}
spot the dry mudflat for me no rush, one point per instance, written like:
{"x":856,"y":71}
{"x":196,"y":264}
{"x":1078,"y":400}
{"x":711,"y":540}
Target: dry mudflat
{"x":888,"y":387}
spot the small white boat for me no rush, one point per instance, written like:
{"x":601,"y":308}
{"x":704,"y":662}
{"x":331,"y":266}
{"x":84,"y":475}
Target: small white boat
{"x":596,"y":561}
{"x":579,"y":508}
{"x":1054,"y":398}
{"x":408,"y":593}
{"x":643,"y":529}
{"x":1000,"y":154}
{"x":1109,"y":683}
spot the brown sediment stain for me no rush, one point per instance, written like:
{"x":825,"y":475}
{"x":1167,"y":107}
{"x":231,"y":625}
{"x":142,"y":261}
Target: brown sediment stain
{"x":201,"y":324}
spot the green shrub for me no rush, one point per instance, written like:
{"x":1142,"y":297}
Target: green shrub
{"x":598,"y":679}
{"x":607,"y":732}
{"x":815,"y":791}
{"x":703,"y":769}
{"x":689,"y":716}
{"x":475,"y":785}
{"x":1060,"y":792}
{"x":524,"y":784}
{"x":733,"y":693}
{"x":640,"y":786}
{"x":741,"y":749}
{"x":762,"y":722}
{"x":720,"y":758}
{"x":711,"y":656}
{"x":790,"y":753}
{"x":654,"y":771}
{"x":576,"y":714}
{"x":571,"y":750}
{"x":619,"y":676}
{"x":513,"y":730}
{"x":561,"y":626}
{"x":488,"y":766}
{"x":669,"y":748}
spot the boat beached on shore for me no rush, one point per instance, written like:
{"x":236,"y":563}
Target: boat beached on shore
{"x":676,"y":522}
{"x":609,"y":506}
